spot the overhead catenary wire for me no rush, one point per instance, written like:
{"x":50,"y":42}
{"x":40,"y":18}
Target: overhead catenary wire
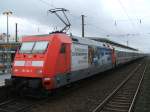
{"x":99,"y":28}
{"x":124,"y":9}
{"x":47,"y":3}
{"x":126,"y":13}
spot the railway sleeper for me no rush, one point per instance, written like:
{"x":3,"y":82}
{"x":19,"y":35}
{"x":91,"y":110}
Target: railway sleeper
{"x":126,"y":94}
{"x":120,"y":100}
{"x":118,"y":105}
{"x":123,"y":97}
{"x":109,"y":109}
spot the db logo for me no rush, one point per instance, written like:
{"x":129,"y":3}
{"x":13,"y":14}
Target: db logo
{"x":28,"y":63}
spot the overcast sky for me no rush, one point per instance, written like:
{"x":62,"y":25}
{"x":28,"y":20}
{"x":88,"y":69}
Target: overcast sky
{"x":122,"y":20}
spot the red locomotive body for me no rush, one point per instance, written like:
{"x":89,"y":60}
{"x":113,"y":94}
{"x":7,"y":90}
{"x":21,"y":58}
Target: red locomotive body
{"x":41,"y":58}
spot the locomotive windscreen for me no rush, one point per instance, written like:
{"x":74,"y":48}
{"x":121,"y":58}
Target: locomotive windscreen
{"x":34,"y":47}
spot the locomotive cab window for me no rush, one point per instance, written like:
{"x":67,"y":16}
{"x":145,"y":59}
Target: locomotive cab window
{"x":40,"y":47}
{"x":34,"y":47}
{"x":26,"y":47}
{"x":63,"y":48}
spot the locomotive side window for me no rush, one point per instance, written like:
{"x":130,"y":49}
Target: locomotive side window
{"x":63,"y":48}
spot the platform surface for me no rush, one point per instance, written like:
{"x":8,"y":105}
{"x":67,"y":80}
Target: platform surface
{"x":3,"y":77}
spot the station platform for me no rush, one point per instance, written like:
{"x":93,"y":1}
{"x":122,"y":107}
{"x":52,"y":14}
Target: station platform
{"x":3,"y":77}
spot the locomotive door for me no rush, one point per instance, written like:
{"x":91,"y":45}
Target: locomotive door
{"x":65,"y":58}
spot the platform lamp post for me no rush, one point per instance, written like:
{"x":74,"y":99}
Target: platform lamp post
{"x":7,"y":13}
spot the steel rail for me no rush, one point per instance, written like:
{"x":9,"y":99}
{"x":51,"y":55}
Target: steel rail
{"x":138,"y":88}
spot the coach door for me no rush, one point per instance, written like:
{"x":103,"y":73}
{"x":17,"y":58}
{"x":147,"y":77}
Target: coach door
{"x":113,"y":57}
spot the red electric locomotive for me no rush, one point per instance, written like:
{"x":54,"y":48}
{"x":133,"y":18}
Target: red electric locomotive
{"x":40,"y":59}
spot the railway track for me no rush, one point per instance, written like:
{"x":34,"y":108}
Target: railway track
{"x":15,"y":105}
{"x":122,"y":99}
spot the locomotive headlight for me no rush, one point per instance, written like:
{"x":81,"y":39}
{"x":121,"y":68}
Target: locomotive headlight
{"x":15,"y":70}
{"x":39,"y":71}
{"x":47,"y":79}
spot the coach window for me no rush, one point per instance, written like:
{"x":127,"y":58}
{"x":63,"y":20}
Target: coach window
{"x":63,"y":48}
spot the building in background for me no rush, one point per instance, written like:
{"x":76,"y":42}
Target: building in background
{"x":3,"y":38}
{"x":7,"y":52}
